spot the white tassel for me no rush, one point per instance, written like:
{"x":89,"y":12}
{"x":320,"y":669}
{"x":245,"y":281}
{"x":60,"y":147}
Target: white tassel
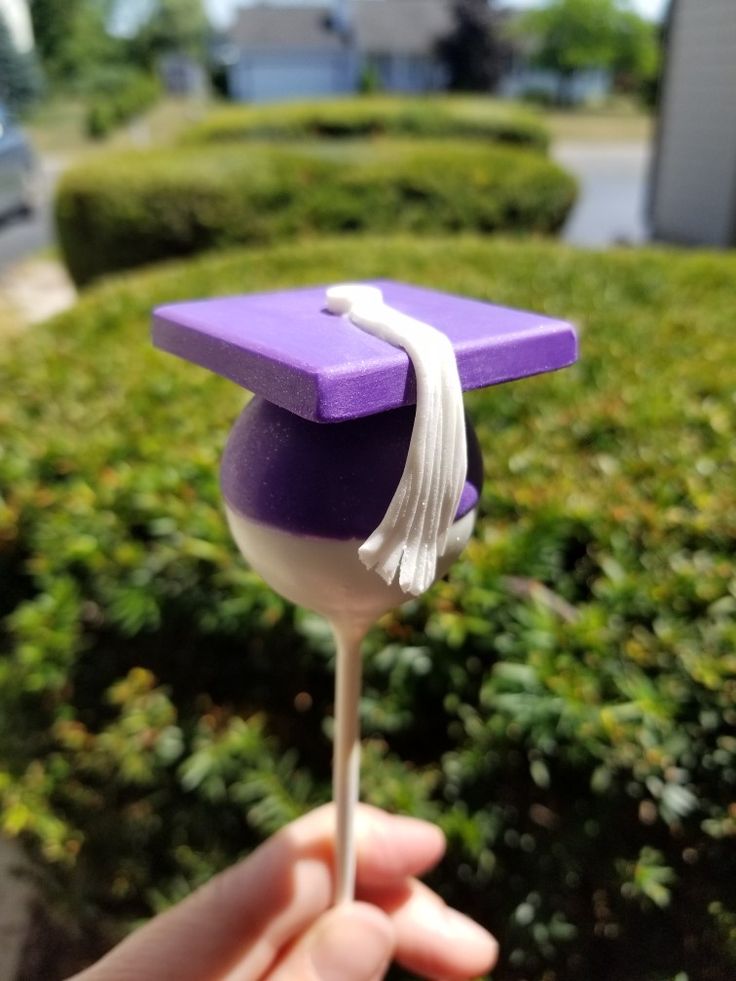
{"x":414,"y":531}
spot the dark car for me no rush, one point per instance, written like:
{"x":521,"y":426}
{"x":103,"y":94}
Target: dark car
{"x":18,"y":171}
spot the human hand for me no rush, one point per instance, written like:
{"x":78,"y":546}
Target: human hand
{"x":269,"y":918}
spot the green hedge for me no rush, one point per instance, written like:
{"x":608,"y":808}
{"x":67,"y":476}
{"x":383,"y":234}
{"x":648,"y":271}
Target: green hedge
{"x":124,"y":211}
{"x":437,"y":117}
{"x":564,"y":704}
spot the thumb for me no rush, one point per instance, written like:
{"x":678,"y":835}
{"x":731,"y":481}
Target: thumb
{"x":353,"y":942}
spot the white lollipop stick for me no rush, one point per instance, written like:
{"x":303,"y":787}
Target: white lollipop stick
{"x":413,"y":533}
{"x":346,"y":760}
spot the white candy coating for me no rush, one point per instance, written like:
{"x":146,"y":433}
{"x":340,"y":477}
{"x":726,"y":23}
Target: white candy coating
{"x":327,"y":575}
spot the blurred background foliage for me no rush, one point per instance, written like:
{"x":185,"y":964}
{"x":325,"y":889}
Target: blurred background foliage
{"x":562,"y":705}
{"x":78,"y":37}
{"x":84,"y":54}
{"x":80,"y":42}
{"x":568,"y":36}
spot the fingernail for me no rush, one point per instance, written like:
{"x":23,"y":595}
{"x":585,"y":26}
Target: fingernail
{"x":354,"y":944}
{"x":399,"y":833}
{"x":460,"y":929}
{"x":413,"y":827}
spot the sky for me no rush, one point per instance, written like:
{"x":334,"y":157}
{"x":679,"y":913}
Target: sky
{"x":221,"y":11}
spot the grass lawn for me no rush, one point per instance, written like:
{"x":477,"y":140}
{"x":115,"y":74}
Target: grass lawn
{"x":57,"y":127}
{"x":163,"y":124}
{"x":622,"y":121}
{"x":619,"y":124}
{"x":10,"y":321}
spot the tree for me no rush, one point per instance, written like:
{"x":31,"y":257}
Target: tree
{"x":72,"y":37}
{"x":48,"y":19}
{"x":20,"y":81}
{"x":173,"y":25}
{"x":472,"y":52}
{"x":638,"y":56}
{"x":568,"y":36}
{"x":53,"y":24}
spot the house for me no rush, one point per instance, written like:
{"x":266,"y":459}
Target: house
{"x":397,"y":39}
{"x":288,"y":51}
{"x":585,"y":87}
{"x":181,"y":74}
{"x":283,"y":52}
{"x":693,"y":188}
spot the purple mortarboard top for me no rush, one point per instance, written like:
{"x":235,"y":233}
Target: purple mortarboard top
{"x":287,"y":348}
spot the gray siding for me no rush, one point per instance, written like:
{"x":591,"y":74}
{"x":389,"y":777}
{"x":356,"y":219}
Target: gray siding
{"x":694,"y":192}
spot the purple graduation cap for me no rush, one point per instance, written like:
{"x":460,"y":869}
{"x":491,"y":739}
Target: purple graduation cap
{"x":309,"y":368}
{"x":319,"y":458}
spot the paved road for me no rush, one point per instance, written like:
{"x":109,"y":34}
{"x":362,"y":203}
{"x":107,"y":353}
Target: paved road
{"x":613,"y":185}
{"x":21,"y":237}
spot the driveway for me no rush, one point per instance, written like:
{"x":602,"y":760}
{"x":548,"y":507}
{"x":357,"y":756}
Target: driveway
{"x":21,"y":237}
{"x":32,"y":287}
{"x":613,"y":185}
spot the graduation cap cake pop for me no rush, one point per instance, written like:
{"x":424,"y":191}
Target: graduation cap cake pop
{"x":351,"y":479}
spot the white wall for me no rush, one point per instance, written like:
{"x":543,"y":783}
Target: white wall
{"x":694,"y":194}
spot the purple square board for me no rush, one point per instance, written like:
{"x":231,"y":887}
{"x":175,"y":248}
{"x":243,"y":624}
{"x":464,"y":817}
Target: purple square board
{"x":287,"y":348}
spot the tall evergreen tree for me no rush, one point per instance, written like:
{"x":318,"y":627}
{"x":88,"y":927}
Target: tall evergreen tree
{"x":472,"y":52}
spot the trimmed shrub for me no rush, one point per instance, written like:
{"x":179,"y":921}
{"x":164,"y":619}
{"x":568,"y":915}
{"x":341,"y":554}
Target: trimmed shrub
{"x":563,"y":704}
{"x":127,"y":210}
{"x":120,"y":94}
{"x":435,"y":117}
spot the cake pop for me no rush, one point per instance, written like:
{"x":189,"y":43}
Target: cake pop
{"x":351,"y":480}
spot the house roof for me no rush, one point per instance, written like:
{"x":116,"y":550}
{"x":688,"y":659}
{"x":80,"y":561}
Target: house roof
{"x":409,"y":27}
{"x":266,"y":27}
{"x":401,"y":26}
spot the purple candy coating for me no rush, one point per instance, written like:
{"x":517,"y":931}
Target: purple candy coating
{"x":326,"y":481}
{"x":287,"y":348}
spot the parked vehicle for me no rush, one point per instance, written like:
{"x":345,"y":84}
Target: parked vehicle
{"x":18,"y":168}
